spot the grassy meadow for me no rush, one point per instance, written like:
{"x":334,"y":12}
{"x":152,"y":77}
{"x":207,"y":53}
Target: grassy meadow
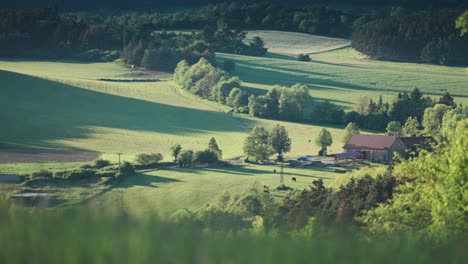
{"x":51,"y":107}
{"x":109,"y":108}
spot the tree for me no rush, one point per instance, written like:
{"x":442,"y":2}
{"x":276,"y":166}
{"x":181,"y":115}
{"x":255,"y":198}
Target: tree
{"x":324,"y":139}
{"x":185,"y":158}
{"x":462,"y":23}
{"x":279,"y":140}
{"x":213,"y":146}
{"x":394,"y":129}
{"x":411,"y":126}
{"x":149,"y":159}
{"x":362,"y":104}
{"x":272,"y":103}
{"x":432,"y":120}
{"x":432,"y":199}
{"x":175,"y":150}
{"x":350,"y":130}
{"x":256,"y":144}
{"x":447,"y":99}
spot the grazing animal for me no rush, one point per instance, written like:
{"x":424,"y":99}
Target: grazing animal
{"x":133,"y":67}
{"x":293,"y":179}
{"x":266,"y":191}
{"x":374,"y":83}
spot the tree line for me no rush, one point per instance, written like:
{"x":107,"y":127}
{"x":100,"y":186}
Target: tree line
{"x":429,"y":36}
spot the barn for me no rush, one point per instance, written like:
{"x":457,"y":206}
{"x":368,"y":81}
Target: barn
{"x":377,"y":148}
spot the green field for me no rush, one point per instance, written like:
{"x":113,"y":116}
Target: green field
{"x":68,"y":105}
{"x":62,"y":105}
{"x":343,"y":75}
{"x":293,"y":43}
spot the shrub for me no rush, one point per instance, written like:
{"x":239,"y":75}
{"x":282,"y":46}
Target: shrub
{"x":42,"y":174}
{"x":205,"y":156}
{"x":105,"y":174}
{"x":75,"y":174}
{"x":149,"y":159}
{"x":126,"y":169}
{"x":101,"y":163}
{"x":303,"y":57}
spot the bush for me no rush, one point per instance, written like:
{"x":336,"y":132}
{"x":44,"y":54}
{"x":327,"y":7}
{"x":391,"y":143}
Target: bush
{"x":105,"y":174}
{"x":303,"y":57}
{"x":101,"y":163}
{"x":126,"y":169}
{"x":149,"y":159}
{"x":75,"y":174}
{"x":42,"y":174}
{"x":205,"y":156}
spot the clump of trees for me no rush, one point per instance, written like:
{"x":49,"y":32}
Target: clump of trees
{"x":188,"y":158}
{"x":260,"y":144}
{"x":281,"y":103}
{"x":423,"y":37}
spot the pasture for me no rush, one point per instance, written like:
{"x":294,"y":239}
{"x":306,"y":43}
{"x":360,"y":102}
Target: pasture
{"x":50,"y":107}
{"x":343,"y":75}
{"x":293,"y":43}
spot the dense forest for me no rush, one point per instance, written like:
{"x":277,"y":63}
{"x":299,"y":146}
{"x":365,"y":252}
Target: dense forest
{"x":429,"y":37}
{"x":395,"y":34}
{"x":144,"y":4}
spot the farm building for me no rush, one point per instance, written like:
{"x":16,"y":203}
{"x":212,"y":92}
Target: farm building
{"x":382,"y":148}
{"x":377,"y":148}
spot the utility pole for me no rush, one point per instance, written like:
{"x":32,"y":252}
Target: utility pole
{"x":119,"y":161}
{"x":281,"y":171}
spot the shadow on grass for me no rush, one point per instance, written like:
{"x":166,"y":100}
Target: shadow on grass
{"x":146,"y":180}
{"x":39,"y":112}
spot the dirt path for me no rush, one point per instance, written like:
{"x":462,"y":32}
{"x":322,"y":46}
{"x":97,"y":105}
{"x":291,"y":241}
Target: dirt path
{"x":29,"y":155}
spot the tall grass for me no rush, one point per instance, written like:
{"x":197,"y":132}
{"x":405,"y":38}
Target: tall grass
{"x":89,"y":237}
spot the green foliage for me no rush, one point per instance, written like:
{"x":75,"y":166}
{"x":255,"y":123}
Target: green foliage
{"x":432,"y":201}
{"x":413,"y":38}
{"x":213,"y":146}
{"x":74,"y":175}
{"x":327,"y":112}
{"x":175,"y":150}
{"x":409,"y":105}
{"x":185,"y":158}
{"x":324,"y":139}
{"x":42,"y":174}
{"x":256,"y":144}
{"x":126,"y":170}
{"x":432,"y":121}
{"x":205,"y":156}
{"x":101,"y":163}
{"x":447,"y":99}
{"x":149,"y":159}
{"x":279,"y":140}
{"x":462,"y":23}
{"x":394,"y":129}
{"x":303,"y":57}
{"x":411,"y":127}
{"x":350,"y":130}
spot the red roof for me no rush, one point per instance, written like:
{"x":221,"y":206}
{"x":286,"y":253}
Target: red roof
{"x":374,"y":142}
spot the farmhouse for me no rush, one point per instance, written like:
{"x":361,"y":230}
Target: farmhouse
{"x":381,"y":148}
{"x":377,"y":148}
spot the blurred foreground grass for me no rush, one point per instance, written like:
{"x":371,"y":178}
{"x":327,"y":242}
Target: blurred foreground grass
{"x":87,"y":236}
